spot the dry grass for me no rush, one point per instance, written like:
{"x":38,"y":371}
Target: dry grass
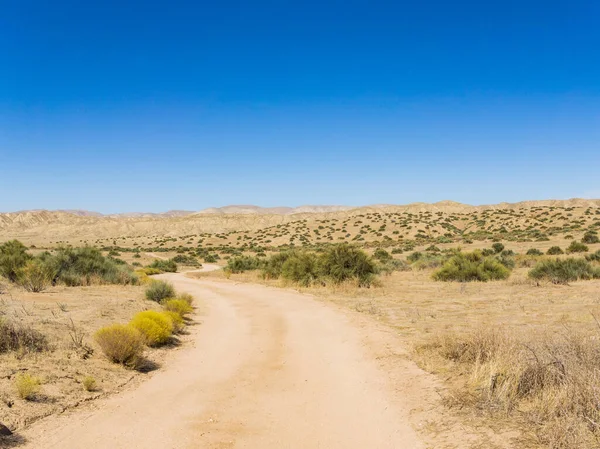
{"x":535,"y":366}
{"x":66,"y":318}
{"x":547,"y":381}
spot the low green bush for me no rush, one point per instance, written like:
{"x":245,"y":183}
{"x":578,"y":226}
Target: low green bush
{"x":474,"y":266}
{"x":34,"y":276}
{"x":302,"y":268}
{"x":594,"y":257}
{"x":86,"y":266}
{"x":534,"y":252}
{"x":554,"y":251}
{"x":182,"y":259}
{"x":498,"y":247}
{"x":382,"y":255}
{"x":577,"y":247}
{"x":13,"y":257}
{"x":563,"y":271}
{"x":590,"y":237}
{"x":159,"y":291}
{"x":273,"y":266}
{"x":240,"y":264}
{"x":167,"y":266}
{"x":344,"y":262}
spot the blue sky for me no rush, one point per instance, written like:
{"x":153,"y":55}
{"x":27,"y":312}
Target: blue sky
{"x":150,"y":106}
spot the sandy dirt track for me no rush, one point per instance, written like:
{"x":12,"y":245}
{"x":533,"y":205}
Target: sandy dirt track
{"x":263,"y":369}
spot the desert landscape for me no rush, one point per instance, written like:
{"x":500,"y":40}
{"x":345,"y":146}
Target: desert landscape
{"x":299,"y":225}
{"x":475,"y":325}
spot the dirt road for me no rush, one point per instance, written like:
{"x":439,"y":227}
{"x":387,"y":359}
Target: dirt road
{"x":264,"y":369}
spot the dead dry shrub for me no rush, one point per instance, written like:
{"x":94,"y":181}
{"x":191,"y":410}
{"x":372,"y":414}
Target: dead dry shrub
{"x":16,"y":337}
{"x":547,"y":381}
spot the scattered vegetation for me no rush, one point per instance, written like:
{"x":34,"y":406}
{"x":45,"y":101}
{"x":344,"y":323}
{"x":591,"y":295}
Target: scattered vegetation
{"x":158,"y":291}
{"x":577,"y":247}
{"x":563,"y":271}
{"x":86,"y":266}
{"x":167,"y":266}
{"x":534,"y":252}
{"x":474,"y":266}
{"x":554,"y":251}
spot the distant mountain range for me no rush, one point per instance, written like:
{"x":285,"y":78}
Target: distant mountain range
{"x":78,"y":226}
{"x":234,"y":209}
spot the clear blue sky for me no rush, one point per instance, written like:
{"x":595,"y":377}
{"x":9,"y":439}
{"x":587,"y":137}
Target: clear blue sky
{"x":148,"y":106}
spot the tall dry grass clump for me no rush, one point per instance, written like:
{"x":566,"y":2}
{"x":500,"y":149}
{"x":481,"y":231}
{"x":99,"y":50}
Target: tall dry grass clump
{"x":551,"y":382}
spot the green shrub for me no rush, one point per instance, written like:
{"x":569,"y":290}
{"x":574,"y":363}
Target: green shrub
{"x":562,"y":271}
{"x":186,"y":260}
{"x":121,"y":344}
{"x":554,"y":251}
{"x":302,"y":268}
{"x":86,"y":266}
{"x":343,"y":262}
{"x":13,"y":257}
{"x":467,"y":267}
{"x":577,"y":247}
{"x":594,"y":257}
{"x":382,"y":255}
{"x":394,"y":265}
{"x":429,"y":261}
{"x":273,"y":265}
{"x":159,"y":291}
{"x":34,"y":276}
{"x":27,"y":386}
{"x":240,"y":264}
{"x":534,"y":252}
{"x":414,"y":256}
{"x":168,"y":266}
{"x":498,"y":247}
{"x":508,"y":261}
{"x":590,"y":237}
{"x":14,"y":337}
{"x":210,"y":258}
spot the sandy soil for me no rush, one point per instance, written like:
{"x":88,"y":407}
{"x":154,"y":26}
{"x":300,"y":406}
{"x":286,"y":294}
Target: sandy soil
{"x":263,"y":368}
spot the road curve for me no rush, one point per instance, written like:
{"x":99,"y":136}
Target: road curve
{"x":264,"y":369}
